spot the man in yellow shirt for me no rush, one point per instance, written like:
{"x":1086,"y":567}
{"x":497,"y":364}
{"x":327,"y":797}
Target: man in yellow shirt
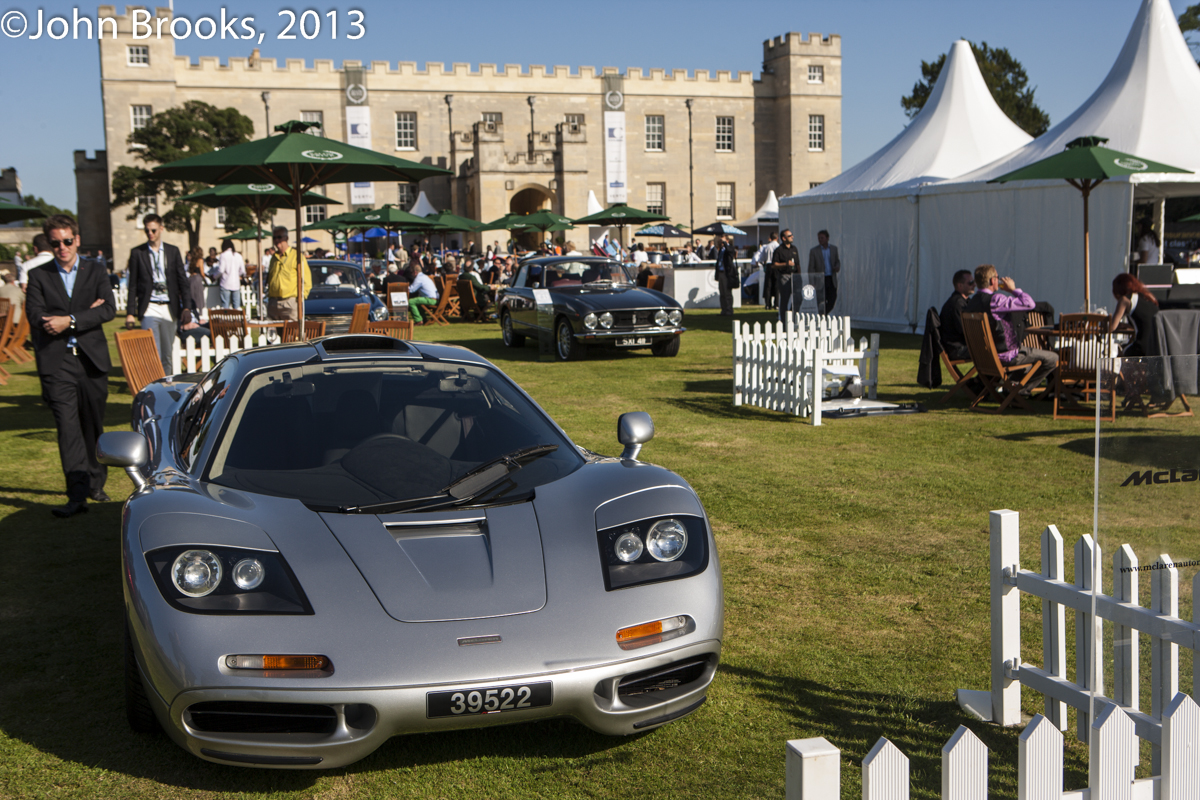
{"x":281,"y":278}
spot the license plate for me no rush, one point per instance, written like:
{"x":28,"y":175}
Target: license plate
{"x":633,"y":341}
{"x":477,"y":702}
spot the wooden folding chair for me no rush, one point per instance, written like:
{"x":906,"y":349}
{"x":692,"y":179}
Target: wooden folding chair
{"x":449,"y":291}
{"x":6,"y":324}
{"x":139,"y":358}
{"x":656,"y":282}
{"x":226,"y":322}
{"x":1083,"y":339}
{"x":360,"y":318}
{"x":469,"y":306}
{"x":14,"y":348}
{"x":438,"y":313}
{"x":1036,"y":341}
{"x":397,"y":329}
{"x":961,"y":379}
{"x":996,"y":376}
{"x":313,"y":329}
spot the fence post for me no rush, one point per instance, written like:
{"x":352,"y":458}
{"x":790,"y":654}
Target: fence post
{"x":1040,"y":761}
{"x":818,"y":384}
{"x":814,"y":770}
{"x":177,"y":356}
{"x":1089,"y":632}
{"x":1164,"y":656}
{"x":1180,"y":744}
{"x":738,"y":353}
{"x":964,"y":767}
{"x":1004,"y":538}
{"x":1054,"y":624}
{"x":1110,"y":769}
{"x":885,"y":773}
{"x":1126,"y":666}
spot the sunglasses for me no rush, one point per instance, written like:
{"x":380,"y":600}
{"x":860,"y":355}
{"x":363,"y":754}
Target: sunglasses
{"x":62,"y":242}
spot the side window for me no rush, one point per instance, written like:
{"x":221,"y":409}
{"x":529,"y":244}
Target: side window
{"x":522,"y":274}
{"x":533,"y":277}
{"x":195,"y":421}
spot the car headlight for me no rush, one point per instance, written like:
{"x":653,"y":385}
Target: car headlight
{"x":606,"y":320}
{"x":226,"y":580}
{"x":653,"y":550}
{"x":589,"y":321}
{"x":379,"y":313}
{"x":676,"y":316}
{"x":660,"y":317}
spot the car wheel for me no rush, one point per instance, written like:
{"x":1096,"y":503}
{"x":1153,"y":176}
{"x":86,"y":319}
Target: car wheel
{"x":667,"y":348}
{"x":564,"y":342}
{"x":137,"y":705}
{"x":511,"y":337}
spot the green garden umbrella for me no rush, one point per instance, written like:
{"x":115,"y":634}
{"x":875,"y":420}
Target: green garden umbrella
{"x":11,"y":212}
{"x":621,"y":215}
{"x":1085,"y":164}
{"x":506,"y":223}
{"x":258,"y":197}
{"x":246,"y":234}
{"x":295,"y":161}
{"x":452,"y":222}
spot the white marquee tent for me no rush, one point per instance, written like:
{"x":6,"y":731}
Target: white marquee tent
{"x":1148,"y":105}
{"x":871,"y":209}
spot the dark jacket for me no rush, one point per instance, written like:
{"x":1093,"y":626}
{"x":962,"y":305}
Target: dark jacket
{"x":783,"y":254}
{"x":47,"y":297}
{"x":929,"y":364}
{"x":141,"y":281}
{"x":726,"y":264}
{"x":953,"y":339}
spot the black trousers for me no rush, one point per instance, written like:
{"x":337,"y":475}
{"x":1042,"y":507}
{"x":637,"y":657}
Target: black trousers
{"x":77,"y":394}
{"x":769,"y":282}
{"x":783,"y":292}
{"x":725,"y":284}
{"x":830,"y":293}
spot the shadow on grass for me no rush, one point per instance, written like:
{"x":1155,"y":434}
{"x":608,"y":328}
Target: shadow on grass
{"x":64,"y":695}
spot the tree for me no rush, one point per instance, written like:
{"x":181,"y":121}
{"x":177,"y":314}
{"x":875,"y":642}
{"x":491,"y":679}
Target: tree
{"x":1189,"y":23}
{"x":49,"y":210}
{"x":1005,"y":78}
{"x":189,"y":130}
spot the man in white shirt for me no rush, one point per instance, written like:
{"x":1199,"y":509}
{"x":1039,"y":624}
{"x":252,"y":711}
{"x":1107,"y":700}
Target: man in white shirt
{"x":228,"y":272}
{"x":769,"y":281}
{"x":639,"y":254}
{"x":41,"y":246}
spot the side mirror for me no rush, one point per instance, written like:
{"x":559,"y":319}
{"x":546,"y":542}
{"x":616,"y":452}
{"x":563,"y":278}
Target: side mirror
{"x":634,"y":430}
{"x":125,"y":449}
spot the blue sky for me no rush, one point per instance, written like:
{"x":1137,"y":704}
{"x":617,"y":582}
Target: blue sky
{"x":50,"y":91}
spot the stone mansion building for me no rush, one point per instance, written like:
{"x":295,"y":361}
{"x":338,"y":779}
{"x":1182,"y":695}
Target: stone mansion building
{"x":695,"y":146}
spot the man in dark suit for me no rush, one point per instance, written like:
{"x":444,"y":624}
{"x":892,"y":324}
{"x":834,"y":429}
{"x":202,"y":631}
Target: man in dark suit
{"x":69,"y":299}
{"x":726,"y":273}
{"x":158,"y":289}
{"x":823,"y":260}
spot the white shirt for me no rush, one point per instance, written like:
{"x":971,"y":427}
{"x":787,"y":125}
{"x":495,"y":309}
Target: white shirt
{"x":1148,"y":244}
{"x":33,"y":263}
{"x":764,"y":254}
{"x":422,"y":286}
{"x":229,"y":270}
{"x":639,"y":256}
{"x":692,"y":258}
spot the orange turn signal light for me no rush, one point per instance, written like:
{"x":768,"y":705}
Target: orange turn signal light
{"x":277,"y":662}
{"x":651,"y":632}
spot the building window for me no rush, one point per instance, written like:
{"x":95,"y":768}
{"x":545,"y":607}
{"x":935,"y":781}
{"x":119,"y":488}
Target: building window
{"x":406,"y":130}
{"x":221,"y":216}
{"x":574,"y":122}
{"x":814,"y":184}
{"x":407,"y":195}
{"x":656,"y":198}
{"x":137,"y":55}
{"x":816,"y":73}
{"x":314,"y":214}
{"x":146,"y":204}
{"x":139,"y":116}
{"x":724,"y":134}
{"x":724,"y":201}
{"x":494,"y":117}
{"x":816,"y":132}
{"x":317,"y":118}
{"x":654,"y":133}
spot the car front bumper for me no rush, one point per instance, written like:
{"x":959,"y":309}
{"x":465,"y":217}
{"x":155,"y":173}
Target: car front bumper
{"x":365,"y":718}
{"x":612,"y":337}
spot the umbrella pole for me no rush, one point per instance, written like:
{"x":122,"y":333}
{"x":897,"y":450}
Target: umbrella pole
{"x":1087,"y":254}
{"x":298,"y":197}
{"x":260,"y":308}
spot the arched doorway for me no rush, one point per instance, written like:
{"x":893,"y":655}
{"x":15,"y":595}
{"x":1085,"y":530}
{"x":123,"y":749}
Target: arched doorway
{"x":526,"y":200}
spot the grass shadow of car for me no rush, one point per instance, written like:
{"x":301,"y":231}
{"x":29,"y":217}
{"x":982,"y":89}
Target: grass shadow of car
{"x":65,"y":694}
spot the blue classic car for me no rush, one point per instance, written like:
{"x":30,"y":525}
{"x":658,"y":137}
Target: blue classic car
{"x":593,"y":303}
{"x":338,"y":286}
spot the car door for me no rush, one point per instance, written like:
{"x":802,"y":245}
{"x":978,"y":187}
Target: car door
{"x":519,"y":298}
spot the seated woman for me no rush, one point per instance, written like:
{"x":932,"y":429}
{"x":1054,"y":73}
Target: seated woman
{"x":1139,"y":307}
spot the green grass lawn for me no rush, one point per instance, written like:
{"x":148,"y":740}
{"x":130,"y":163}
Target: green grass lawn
{"x":856,"y":589}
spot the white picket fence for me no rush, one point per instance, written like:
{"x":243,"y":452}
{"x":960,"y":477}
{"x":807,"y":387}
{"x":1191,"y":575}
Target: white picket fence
{"x":212,"y":298}
{"x":1160,"y":623}
{"x":814,"y":765}
{"x":191,"y":355}
{"x":787,"y":366}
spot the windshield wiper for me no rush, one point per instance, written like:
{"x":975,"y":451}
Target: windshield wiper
{"x":467,"y":487}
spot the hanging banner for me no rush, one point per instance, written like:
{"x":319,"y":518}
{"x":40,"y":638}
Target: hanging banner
{"x":358,"y":130}
{"x":614,"y":139}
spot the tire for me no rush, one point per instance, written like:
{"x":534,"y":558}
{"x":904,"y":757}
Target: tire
{"x":511,"y":337}
{"x":565,"y":346}
{"x":666,"y":348}
{"x":137,"y":706}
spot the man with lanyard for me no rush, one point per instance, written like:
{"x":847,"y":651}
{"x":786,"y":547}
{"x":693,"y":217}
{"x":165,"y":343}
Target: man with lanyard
{"x":158,"y":289}
{"x":68,"y":303}
{"x":784,"y":262}
{"x":281,"y":279}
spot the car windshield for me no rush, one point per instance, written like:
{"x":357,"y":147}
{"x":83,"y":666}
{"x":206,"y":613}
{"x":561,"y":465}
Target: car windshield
{"x":337,"y":279}
{"x":580,"y":273}
{"x":363,"y":433}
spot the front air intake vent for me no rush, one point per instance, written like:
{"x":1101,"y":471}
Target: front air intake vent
{"x":227,"y":716}
{"x":663,"y":678}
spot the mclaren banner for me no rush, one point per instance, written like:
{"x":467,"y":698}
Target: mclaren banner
{"x":358,"y":130}
{"x":614,"y":139}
